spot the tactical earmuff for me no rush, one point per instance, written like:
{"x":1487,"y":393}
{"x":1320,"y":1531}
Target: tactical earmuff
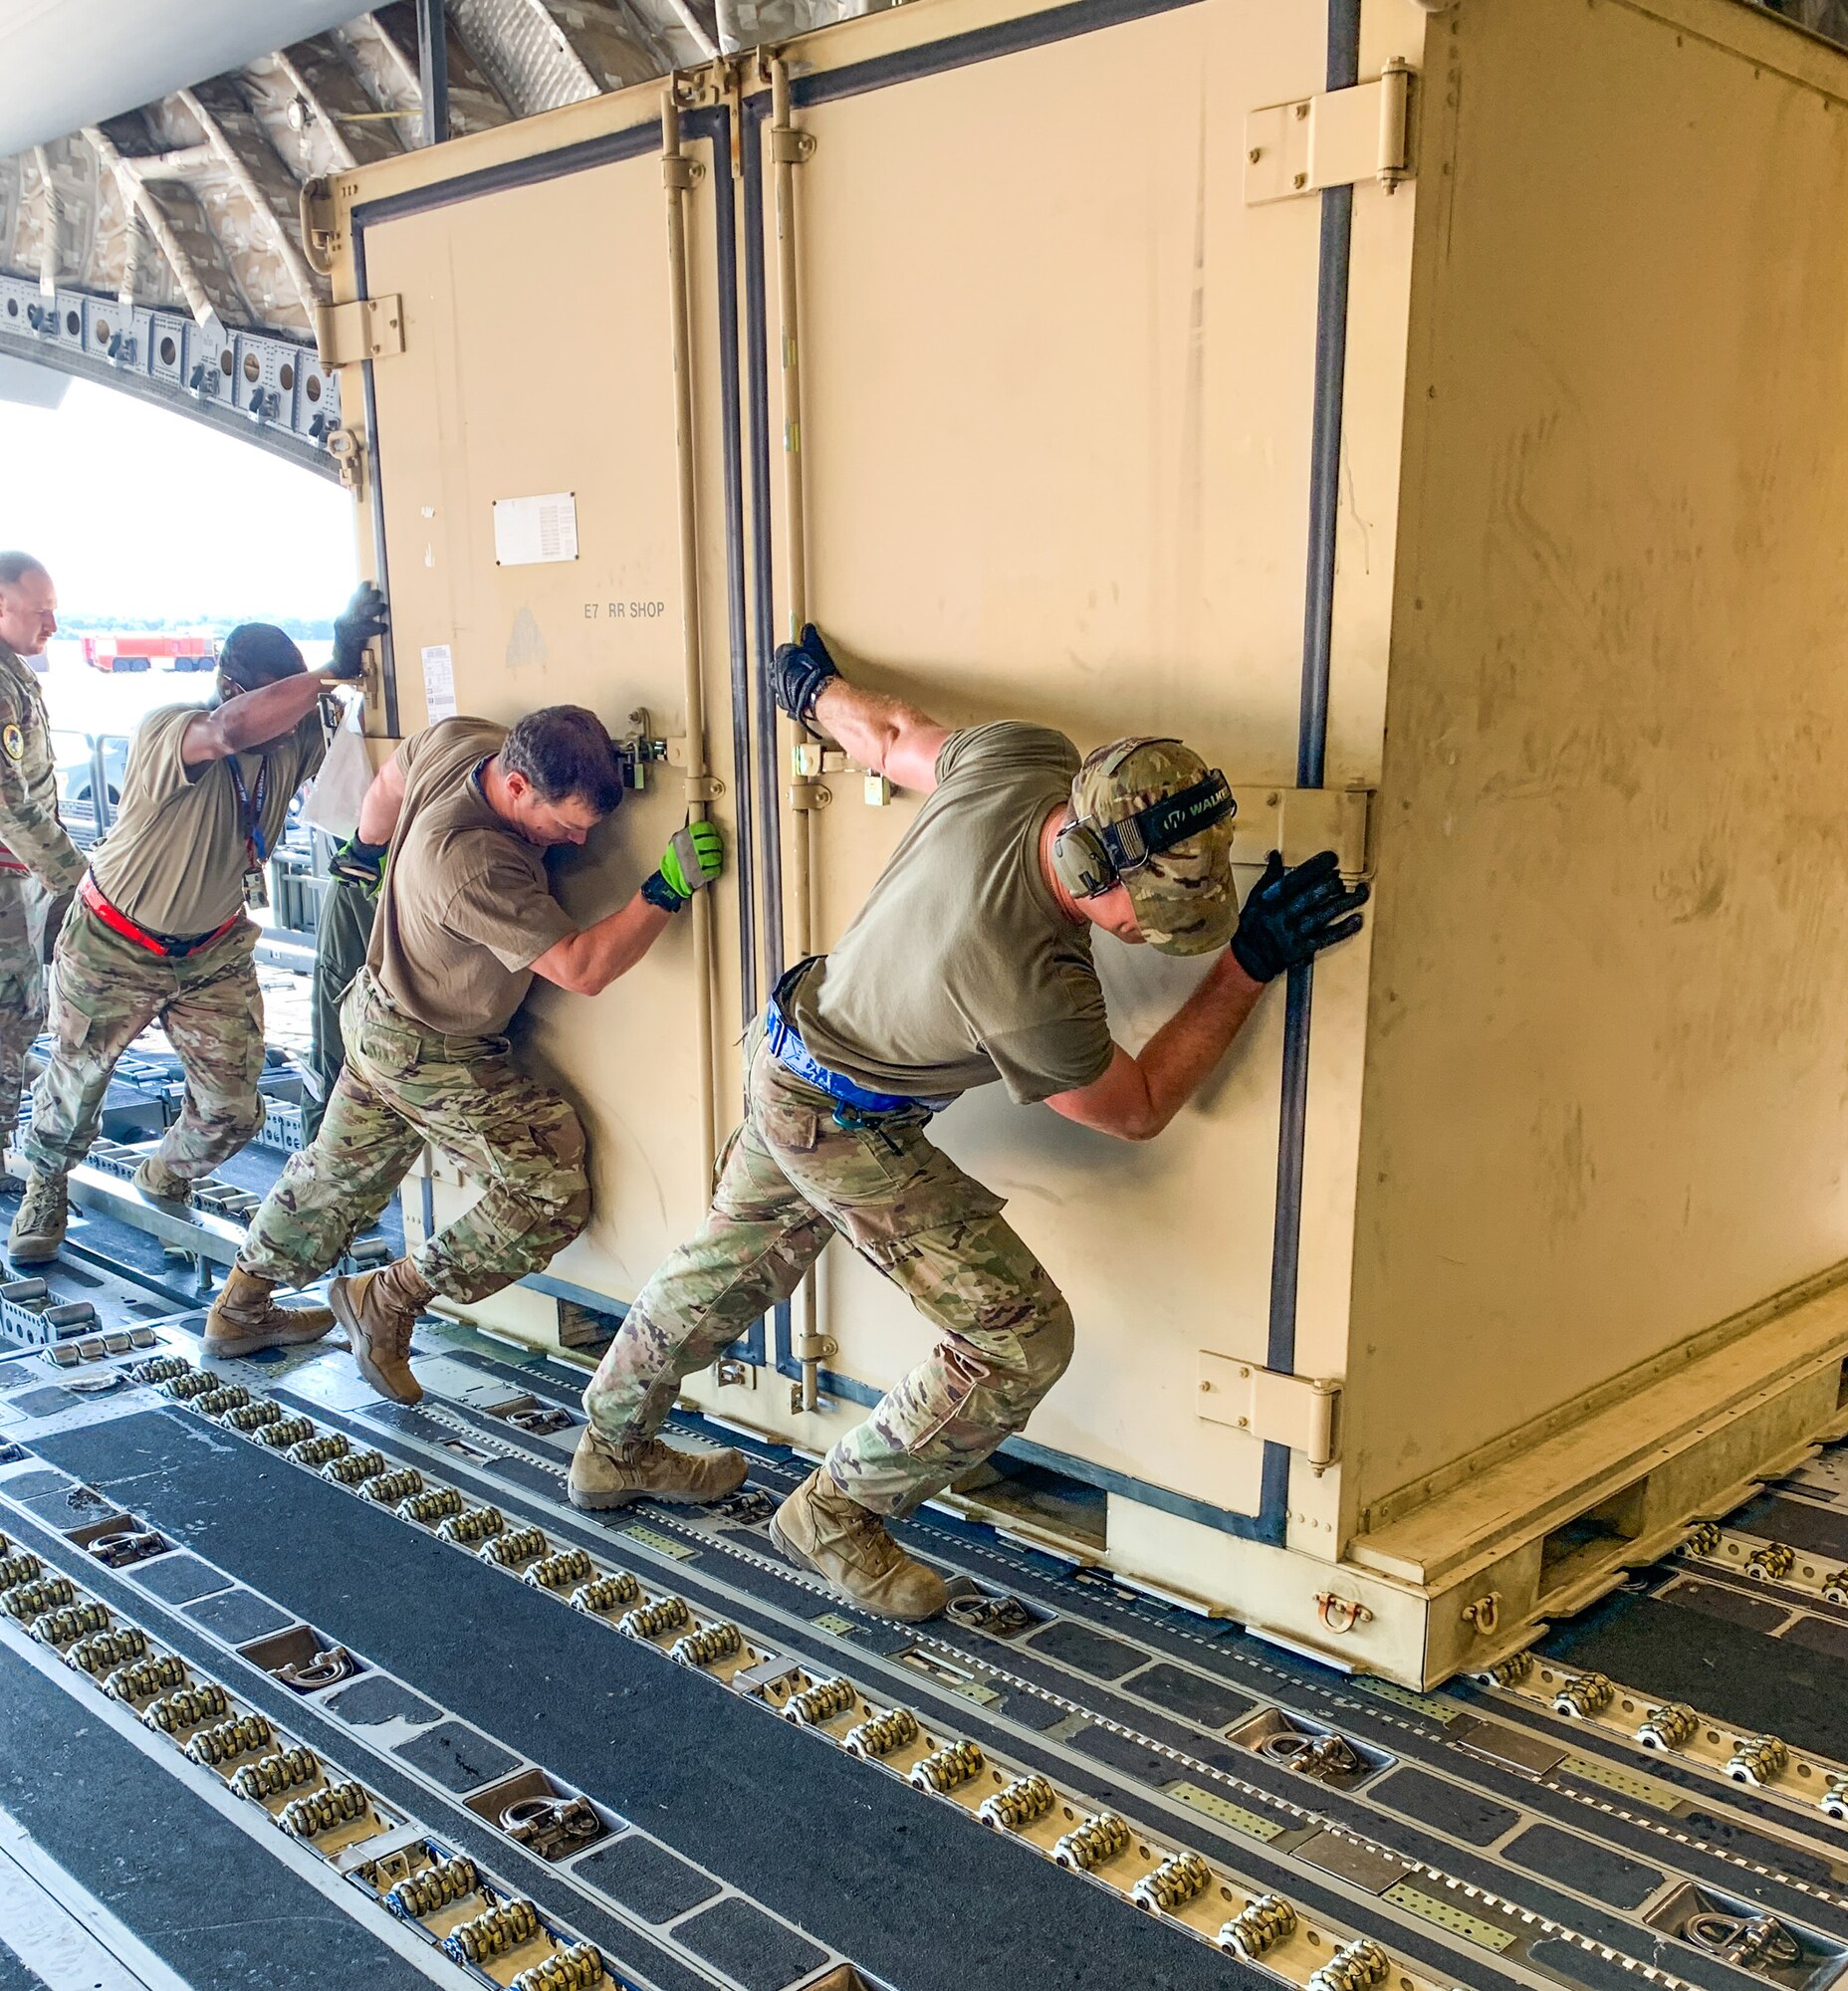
{"x":1091,"y":856}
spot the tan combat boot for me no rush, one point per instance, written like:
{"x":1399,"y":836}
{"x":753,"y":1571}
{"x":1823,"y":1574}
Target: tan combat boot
{"x":817,"y":1527}
{"x":379,"y":1310}
{"x":39,"y":1223}
{"x":167,"y":1185}
{"x":605,"y":1474}
{"x":244,"y":1318}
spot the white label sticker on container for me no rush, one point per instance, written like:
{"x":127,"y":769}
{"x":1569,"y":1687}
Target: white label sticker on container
{"x":528,"y":531}
{"x":439,"y":683}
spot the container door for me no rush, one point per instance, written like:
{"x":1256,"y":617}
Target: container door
{"x":535,"y":389}
{"x":1059,"y":399}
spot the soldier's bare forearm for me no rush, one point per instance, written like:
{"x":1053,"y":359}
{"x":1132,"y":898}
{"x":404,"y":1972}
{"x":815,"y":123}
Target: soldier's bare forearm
{"x":882,"y":734}
{"x":588,"y":963}
{"x":1184,"y":1053}
{"x":380,"y":804}
{"x":1136,"y":1097}
{"x":251,"y":718}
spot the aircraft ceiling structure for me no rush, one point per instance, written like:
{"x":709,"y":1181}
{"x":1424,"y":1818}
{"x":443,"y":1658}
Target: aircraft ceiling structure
{"x":149,"y":231}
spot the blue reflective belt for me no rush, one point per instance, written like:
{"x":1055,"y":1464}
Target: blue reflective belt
{"x":788,"y":1049}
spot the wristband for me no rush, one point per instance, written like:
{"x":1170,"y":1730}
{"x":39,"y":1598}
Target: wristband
{"x":658,"y":892}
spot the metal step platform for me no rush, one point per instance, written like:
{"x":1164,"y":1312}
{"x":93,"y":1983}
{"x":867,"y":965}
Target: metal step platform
{"x":428,"y":1720}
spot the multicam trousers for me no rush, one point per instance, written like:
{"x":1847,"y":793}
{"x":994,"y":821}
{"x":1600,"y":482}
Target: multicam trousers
{"x":797,"y":1171}
{"x":23,"y":905}
{"x":401,"y":1087}
{"x":105,"y":992}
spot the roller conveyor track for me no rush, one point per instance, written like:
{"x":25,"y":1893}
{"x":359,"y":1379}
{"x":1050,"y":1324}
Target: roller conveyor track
{"x":1472,"y":1837}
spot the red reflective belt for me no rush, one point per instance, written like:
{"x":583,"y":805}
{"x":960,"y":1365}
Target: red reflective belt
{"x":119,"y":921}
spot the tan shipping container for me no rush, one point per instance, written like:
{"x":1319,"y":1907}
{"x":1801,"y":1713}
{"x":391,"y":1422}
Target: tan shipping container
{"x":1436,"y":417}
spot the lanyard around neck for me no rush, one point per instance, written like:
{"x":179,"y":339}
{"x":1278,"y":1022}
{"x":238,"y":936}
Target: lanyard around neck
{"x":250,"y":805}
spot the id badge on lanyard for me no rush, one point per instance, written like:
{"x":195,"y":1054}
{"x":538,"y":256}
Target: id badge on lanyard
{"x":250,"y":807}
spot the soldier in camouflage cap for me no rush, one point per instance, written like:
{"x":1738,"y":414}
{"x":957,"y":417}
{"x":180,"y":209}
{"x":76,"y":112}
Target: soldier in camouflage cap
{"x":39,"y":864}
{"x":970,"y":961}
{"x":1181,"y":896}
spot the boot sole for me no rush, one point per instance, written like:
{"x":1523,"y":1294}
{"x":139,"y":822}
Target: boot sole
{"x":790,"y":1553}
{"x":39,"y":1251}
{"x":343,"y":1313}
{"x":599,"y":1503}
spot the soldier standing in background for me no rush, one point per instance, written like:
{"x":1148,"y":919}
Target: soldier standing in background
{"x":970,"y":963}
{"x":39,"y":864}
{"x":160,"y":929}
{"x":465,"y":921}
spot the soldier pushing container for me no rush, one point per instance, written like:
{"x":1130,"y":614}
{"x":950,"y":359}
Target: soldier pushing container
{"x":160,"y":929}
{"x":39,"y":864}
{"x":970,"y":963}
{"x":464,"y":920}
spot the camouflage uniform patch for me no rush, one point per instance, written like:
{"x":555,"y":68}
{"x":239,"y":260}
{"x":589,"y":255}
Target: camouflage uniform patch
{"x":105,"y":992}
{"x":794,"y":1175}
{"x":403,"y":1086}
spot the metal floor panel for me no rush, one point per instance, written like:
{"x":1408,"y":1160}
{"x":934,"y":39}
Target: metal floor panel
{"x":1477,"y":1835}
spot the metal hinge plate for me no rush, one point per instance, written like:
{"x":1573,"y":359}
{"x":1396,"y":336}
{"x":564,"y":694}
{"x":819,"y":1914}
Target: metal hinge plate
{"x":1297,"y":1410}
{"x":1330,"y":140}
{"x":363,"y":329}
{"x":1301,"y":821}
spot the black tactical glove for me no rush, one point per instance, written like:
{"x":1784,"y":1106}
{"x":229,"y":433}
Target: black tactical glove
{"x":1293,"y":915}
{"x":798,"y":672}
{"x":361,"y":622}
{"x":360,"y":863}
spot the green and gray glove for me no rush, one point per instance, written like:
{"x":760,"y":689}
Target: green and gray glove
{"x":360,"y":863}
{"x":691,"y":861}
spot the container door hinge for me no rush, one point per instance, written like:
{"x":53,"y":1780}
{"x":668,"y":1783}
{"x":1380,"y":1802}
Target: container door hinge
{"x":1295,"y":1411}
{"x":1301,"y":821}
{"x":362,"y":328}
{"x":1334,"y":139}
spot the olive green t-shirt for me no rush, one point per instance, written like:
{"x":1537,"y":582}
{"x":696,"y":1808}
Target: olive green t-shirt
{"x":174,"y":857}
{"x":467,"y":907}
{"x":961,"y":969}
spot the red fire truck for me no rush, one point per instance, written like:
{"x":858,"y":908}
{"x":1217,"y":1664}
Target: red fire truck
{"x":139,"y":652}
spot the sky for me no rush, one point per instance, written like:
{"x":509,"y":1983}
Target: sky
{"x":136,"y":511}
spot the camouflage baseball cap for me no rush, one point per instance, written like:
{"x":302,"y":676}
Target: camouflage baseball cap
{"x":1184,"y":898}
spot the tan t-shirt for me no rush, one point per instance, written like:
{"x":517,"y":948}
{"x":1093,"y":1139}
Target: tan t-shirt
{"x":961,"y":969}
{"x":467,"y":907}
{"x":174,"y":857}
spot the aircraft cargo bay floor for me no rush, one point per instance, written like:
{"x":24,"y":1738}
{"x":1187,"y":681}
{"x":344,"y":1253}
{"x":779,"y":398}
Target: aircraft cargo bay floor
{"x":710,"y":1774}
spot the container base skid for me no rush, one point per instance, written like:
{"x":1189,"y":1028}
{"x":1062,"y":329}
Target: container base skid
{"x":1448,"y":1577}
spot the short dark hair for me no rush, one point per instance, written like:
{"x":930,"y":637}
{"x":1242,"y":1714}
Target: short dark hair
{"x":258,"y":653}
{"x":15,"y":566}
{"x":563,"y":750}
